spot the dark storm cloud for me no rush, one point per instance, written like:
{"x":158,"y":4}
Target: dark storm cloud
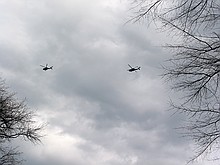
{"x":97,"y":112}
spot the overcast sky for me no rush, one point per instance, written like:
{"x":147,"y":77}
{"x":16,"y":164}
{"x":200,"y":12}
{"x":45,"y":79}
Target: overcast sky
{"x":97,"y":112}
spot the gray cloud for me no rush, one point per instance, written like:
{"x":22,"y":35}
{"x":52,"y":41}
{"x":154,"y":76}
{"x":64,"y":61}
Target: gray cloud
{"x":97,"y":112}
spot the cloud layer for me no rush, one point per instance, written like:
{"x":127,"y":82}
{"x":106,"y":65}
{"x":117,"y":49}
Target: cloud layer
{"x":97,"y":112}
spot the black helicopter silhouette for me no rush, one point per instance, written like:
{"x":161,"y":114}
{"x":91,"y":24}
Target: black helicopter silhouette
{"x":45,"y":68}
{"x":132,"y":69}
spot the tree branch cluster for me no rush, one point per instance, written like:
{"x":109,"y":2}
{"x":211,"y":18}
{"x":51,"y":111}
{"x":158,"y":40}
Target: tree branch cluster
{"x":195,"y":66}
{"x":15,"y":121}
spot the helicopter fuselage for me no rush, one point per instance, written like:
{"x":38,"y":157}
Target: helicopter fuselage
{"x":134,"y":69}
{"x":46,"y":68}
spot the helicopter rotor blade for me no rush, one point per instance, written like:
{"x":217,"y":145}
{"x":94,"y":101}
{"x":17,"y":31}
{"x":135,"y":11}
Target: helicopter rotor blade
{"x":130,"y":66}
{"x":42,"y":66}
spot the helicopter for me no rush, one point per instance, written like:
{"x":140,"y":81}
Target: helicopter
{"x":134,"y":69}
{"x":45,"y":68}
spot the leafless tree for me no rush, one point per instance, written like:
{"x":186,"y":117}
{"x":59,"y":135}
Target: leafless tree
{"x":10,"y":156}
{"x":16,"y":120}
{"x":195,"y":66}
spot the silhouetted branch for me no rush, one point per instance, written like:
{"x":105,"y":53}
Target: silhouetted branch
{"x":195,"y":66}
{"x":16,"y":120}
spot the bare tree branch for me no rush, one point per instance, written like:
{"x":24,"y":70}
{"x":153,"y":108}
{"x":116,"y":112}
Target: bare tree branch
{"x":195,"y":66}
{"x":16,"y":120}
